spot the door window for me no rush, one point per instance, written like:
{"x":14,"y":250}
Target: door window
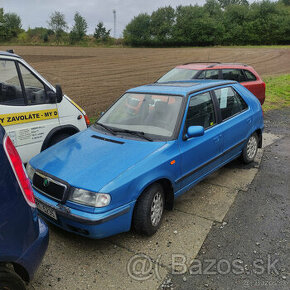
{"x":212,"y":74}
{"x":230,"y":102}
{"x":34,"y":88}
{"x":233,"y":75}
{"x":200,"y":111}
{"x":10,"y":89}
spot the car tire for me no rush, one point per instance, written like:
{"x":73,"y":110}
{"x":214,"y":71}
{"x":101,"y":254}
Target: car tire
{"x":149,"y":210}
{"x":57,"y":138}
{"x":10,"y":280}
{"x":250,"y":150}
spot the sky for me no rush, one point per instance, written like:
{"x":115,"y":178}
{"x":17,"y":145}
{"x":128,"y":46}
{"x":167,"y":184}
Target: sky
{"x":35,"y":13}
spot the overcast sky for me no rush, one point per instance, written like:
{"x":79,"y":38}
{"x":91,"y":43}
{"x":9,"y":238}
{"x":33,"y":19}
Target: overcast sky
{"x":35,"y":13}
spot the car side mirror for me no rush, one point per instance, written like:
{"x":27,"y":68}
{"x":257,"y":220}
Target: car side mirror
{"x":194,"y":131}
{"x":58,"y":93}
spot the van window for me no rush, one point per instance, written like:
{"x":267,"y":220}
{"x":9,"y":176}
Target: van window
{"x":10,"y":89}
{"x":34,"y":88}
{"x":230,"y":102}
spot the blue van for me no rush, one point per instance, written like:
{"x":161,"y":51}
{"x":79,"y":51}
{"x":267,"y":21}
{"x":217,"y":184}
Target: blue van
{"x":23,"y":235}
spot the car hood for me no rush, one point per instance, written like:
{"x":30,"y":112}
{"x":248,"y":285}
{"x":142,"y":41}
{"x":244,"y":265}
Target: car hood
{"x":91,"y":160}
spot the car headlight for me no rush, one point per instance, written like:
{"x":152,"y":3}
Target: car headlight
{"x":30,"y":171}
{"x":90,"y":198}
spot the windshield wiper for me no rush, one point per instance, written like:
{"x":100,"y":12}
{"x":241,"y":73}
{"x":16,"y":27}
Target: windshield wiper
{"x":107,"y":128}
{"x":137,"y":133}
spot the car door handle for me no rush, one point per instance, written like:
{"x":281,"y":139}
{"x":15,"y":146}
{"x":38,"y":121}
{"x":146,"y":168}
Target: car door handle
{"x":249,"y":121}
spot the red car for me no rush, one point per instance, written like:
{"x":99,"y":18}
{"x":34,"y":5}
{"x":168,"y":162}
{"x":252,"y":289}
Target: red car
{"x":241,"y":73}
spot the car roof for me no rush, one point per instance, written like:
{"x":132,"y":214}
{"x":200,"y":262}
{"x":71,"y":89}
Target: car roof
{"x":211,"y":65}
{"x":182,"y":88}
{"x":6,"y":53}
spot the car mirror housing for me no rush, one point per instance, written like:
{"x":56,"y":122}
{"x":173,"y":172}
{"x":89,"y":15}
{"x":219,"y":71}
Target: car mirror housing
{"x":194,"y":131}
{"x":59,"y":94}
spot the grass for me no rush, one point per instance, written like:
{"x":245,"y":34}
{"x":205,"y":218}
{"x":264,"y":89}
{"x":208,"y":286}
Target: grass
{"x":277,"y":92}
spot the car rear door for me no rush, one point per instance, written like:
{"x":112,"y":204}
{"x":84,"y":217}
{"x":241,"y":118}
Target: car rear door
{"x":200,"y":155}
{"x":26,"y":111}
{"x":236,"y":121}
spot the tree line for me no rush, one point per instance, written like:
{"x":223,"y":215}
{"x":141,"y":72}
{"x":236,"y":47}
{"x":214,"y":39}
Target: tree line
{"x":57,"y":31}
{"x":217,"y":22}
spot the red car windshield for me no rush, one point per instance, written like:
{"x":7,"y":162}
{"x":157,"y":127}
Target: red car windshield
{"x":178,"y":74}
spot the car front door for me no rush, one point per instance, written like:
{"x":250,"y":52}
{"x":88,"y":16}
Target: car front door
{"x":200,"y":155}
{"x":26,"y":111}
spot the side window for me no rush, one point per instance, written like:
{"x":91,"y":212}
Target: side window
{"x":250,"y":76}
{"x":212,"y":74}
{"x":233,"y":75}
{"x":10,"y":88}
{"x":230,"y":102}
{"x":34,"y":88}
{"x":200,"y":111}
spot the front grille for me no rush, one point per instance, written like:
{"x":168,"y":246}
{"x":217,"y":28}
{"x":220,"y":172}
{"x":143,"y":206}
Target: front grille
{"x":49,"y":186}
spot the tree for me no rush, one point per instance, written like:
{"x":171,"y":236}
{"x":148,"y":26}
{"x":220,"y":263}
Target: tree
{"x":58,"y":24}
{"x":162,"y":23}
{"x":2,"y":28}
{"x":225,"y":3}
{"x":137,"y":32}
{"x":79,"y":29}
{"x":101,"y":33}
{"x":12,"y":25}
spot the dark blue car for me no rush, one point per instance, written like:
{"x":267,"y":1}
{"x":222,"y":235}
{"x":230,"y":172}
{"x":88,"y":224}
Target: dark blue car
{"x":152,"y":145}
{"x":23,"y":236}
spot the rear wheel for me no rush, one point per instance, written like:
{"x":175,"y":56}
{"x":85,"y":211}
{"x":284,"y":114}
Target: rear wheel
{"x":250,"y":149}
{"x":149,"y":210}
{"x":9,"y":280}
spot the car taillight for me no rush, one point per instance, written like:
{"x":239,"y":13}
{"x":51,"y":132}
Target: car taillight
{"x":19,"y":171}
{"x":87,"y":120}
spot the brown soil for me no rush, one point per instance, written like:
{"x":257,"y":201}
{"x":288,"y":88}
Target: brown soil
{"x":95,"y":77}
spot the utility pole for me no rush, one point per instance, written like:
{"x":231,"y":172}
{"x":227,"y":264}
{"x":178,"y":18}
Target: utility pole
{"x":115,"y":24}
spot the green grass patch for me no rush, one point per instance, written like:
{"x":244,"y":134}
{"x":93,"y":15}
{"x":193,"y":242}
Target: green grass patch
{"x":277,"y":92}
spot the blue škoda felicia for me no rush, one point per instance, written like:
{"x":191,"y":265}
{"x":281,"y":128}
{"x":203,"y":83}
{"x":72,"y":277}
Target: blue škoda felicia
{"x":152,"y":145}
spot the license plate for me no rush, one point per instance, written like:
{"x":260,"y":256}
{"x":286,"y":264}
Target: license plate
{"x":46,"y":209}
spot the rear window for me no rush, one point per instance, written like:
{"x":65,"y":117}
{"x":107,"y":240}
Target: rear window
{"x":250,"y":76}
{"x":178,"y":74}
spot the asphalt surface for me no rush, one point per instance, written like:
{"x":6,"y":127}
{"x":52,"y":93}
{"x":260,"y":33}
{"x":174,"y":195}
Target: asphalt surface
{"x":251,"y":248}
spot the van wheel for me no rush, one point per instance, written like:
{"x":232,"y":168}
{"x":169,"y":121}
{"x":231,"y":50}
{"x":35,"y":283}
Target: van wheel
{"x":57,"y":138}
{"x":250,"y":149}
{"x":149,"y":209}
{"x":10,"y":280}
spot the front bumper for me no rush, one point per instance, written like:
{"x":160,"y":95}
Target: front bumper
{"x":33,"y":256}
{"x":92,"y":225}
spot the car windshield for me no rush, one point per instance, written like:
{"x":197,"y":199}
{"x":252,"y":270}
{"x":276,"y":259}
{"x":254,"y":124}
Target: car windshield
{"x":144,"y":114}
{"x":178,"y":74}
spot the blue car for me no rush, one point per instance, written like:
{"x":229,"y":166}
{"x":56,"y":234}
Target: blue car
{"x":23,"y":236}
{"x":152,"y":145}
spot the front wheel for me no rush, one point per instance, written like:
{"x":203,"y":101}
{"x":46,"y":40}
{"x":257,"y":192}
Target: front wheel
{"x":10,"y":280}
{"x":250,"y":149}
{"x":149,"y":210}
